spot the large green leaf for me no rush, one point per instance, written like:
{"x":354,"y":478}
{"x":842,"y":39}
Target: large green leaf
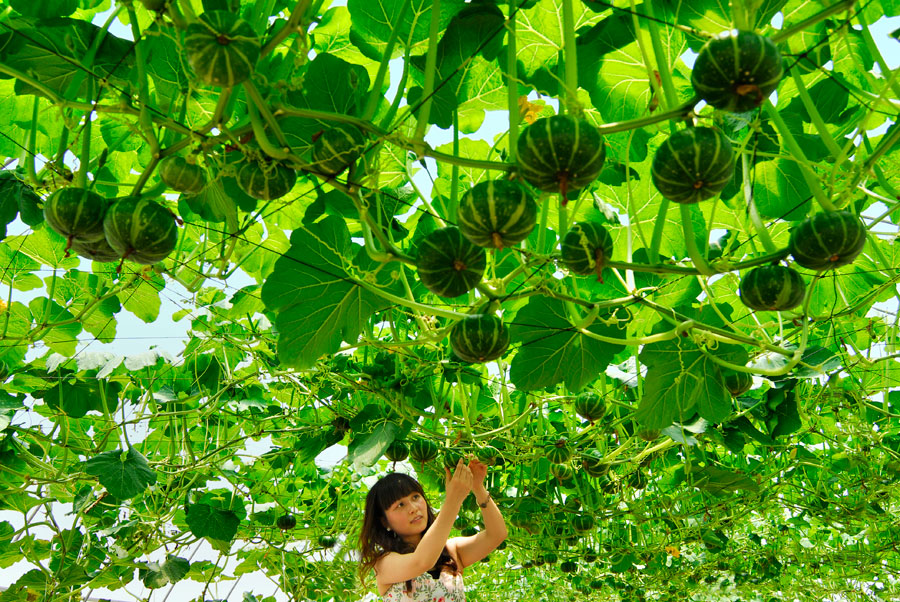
{"x":55,"y":47}
{"x":124,"y":474}
{"x":780,"y":191}
{"x":374,"y":20}
{"x":172,"y":570}
{"x":318,"y":301}
{"x":216,"y":515}
{"x":332,"y":84}
{"x":682,"y":378}
{"x":553,"y":352}
{"x":77,"y":398}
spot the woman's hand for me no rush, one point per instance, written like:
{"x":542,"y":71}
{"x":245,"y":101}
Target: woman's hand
{"x":479,"y":472}
{"x":459,"y":484}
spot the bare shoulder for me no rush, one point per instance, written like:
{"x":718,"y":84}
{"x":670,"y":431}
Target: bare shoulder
{"x":379,"y":582}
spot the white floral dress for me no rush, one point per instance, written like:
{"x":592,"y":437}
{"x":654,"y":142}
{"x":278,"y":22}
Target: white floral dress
{"x":425,"y":588}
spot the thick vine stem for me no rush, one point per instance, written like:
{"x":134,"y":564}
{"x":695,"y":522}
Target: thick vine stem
{"x":430,"y":76}
{"x":687,"y":226}
{"x":876,"y":53}
{"x":31,"y":144}
{"x":144,"y":118}
{"x":789,"y":140}
{"x":293,"y":25}
{"x":816,"y":117}
{"x":784,"y":34}
{"x":375,"y":93}
{"x":512,"y":82}
{"x":256,"y":100}
{"x":662,"y":63}
{"x":752,"y":211}
{"x":658,"y":227}
{"x":726,"y":336}
{"x":570,"y":60}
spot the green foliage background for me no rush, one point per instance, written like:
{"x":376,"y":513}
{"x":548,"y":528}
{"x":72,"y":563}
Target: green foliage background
{"x":309,"y":328}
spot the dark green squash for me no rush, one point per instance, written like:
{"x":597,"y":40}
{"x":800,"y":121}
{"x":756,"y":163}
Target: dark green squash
{"x":583,"y":522}
{"x":448,"y":264}
{"x":558,"y":452}
{"x":589,"y":406}
{"x":95,"y":250}
{"x":336,"y":148}
{"x":140,"y":230}
{"x":181,"y":175}
{"x":76,"y":213}
{"x":422,"y":450}
{"x":286,"y":522}
{"x":737,"y":70}
{"x":827,"y":240}
{"x":221,"y":48}
{"x":479,"y":338}
{"x":496,"y":214}
{"x":692,"y":165}
{"x":397,"y":451}
{"x":737,"y":383}
{"x":266,"y":180}
{"x":560,"y":153}
{"x":593,"y":464}
{"x":586,"y":248}
{"x":563,"y":472}
{"x":772,"y":288}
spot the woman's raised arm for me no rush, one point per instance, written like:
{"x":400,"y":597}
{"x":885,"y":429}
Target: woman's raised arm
{"x":396,"y":568}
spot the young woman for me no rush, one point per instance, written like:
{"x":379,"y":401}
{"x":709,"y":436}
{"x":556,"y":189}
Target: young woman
{"x":408,"y":547}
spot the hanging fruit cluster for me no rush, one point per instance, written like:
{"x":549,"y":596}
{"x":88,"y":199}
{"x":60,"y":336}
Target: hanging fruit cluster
{"x":139,"y":230}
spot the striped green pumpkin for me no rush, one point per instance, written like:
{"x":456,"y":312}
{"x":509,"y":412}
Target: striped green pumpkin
{"x":448,"y":264}
{"x":827,"y":240}
{"x":563,"y":472}
{"x":772,"y":288}
{"x":266,"y":181}
{"x":737,"y":70}
{"x":496,"y":214}
{"x":488,"y":455}
{"x":221,"y":48}
{"x":141,"y":230}
{"x":286,"y":522}
{"x":180,"y":175}
{"x":586,"y":248}
{"x":593,"y":465}
{"x":397,"y":451}
{"x":648,"y":435}
{"x":737,"y":383}
{"x":95,"y":250}
{"x":76,"y":213}
{"x":560,"y":153}
{"x":589,"y":406}
{"x":568,"y":566}
{"x":558,"y":452}
{"x":479,"y":338}
{"x":422,"y":450}
{"x":336,"y":148}
{"x":583,"y":522}
{"x":451,"y":458}
{"x":692,"y":165}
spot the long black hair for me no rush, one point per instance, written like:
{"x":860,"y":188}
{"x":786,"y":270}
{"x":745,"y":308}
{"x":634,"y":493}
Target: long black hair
{"x":375,"y":540}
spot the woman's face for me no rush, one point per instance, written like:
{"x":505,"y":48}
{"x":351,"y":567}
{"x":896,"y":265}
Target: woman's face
{"x":408,"y":517}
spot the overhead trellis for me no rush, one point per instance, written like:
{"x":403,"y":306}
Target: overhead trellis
{"x":661,"y":302}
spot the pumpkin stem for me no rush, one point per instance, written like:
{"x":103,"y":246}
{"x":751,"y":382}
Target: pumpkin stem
{"x":599,"y":264}
{"x":458,"y":265}
{"x":564,"y":186}
{"x":497,"y":240}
